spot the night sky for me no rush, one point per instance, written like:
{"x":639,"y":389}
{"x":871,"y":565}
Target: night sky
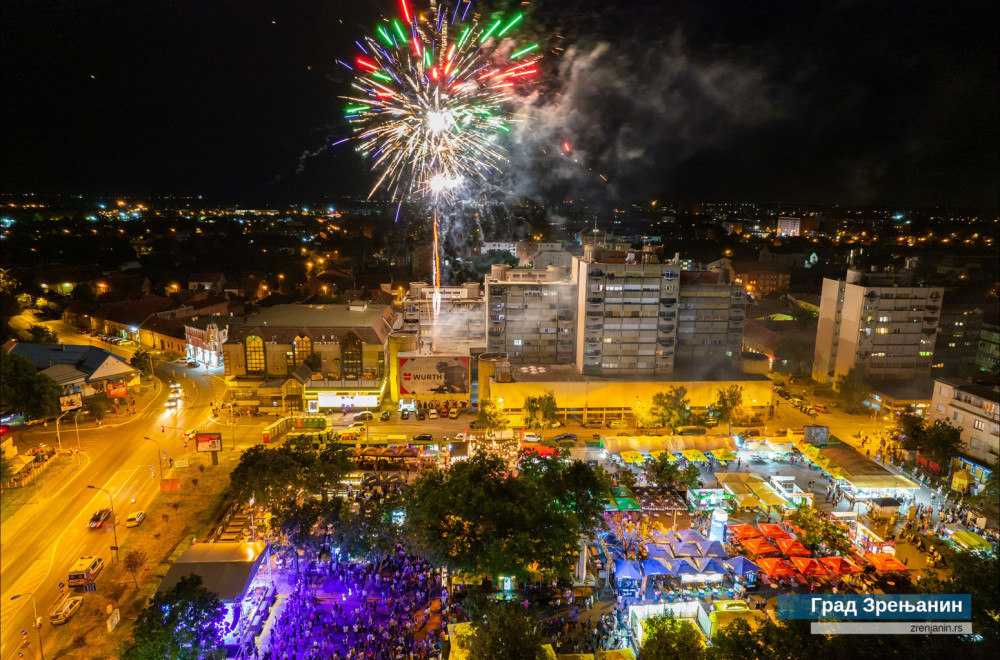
{"x":834,"y":102}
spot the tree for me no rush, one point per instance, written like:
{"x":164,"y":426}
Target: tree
{"x":632,"y":533}
{"x":852,"y":389}
{"x":142,"y":360}
{"x":540,"y":411}
{"x":492,"y":417}
{"x":39,"y":334}
{"x":819,"y":531}
{"x":134,"y":561}
{"x":728,"y":404}
{"x":672,"y":408}
{"x":942,"y":441}
{"x":23,"y":389}
{"x":690,"y":476}
{"x":667,"y":638}
{"x":661,"y":470}
{"x":911,"y":427}
{"x":115,"y":591}
{"x":6,"y":469}
{"x":267,"y":475}
{"x":969,"y":574}
{"x":182,"y":623}
{"x":990,"y":494}
{"x":626,"y":478}
{"x":508,"y":633}
{"x":483,"y":518}
{"x":97,"y":406}
{"x":368,"y":532}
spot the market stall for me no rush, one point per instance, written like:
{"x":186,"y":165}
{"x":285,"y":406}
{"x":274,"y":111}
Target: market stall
{"x":759,"y":546}
{"x":792,"y":548}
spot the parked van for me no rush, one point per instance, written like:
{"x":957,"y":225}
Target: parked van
{"x":66,"y":608}
{"x":819,"y":407}
{"x":86,"y":569}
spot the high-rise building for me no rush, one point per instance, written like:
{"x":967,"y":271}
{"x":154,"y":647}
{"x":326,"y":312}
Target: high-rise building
{"x":975,"y":409}
{"x":531,"y":314}
{"x":460,"y":311}
{"x":877,"y":320}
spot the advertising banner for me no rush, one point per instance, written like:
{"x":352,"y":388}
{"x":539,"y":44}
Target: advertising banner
{"x":434,"y":375}
{"x":70,"y":402}
{"x":329,"y":400}
{"x":208,"y":442}
{"x":117,"y":389}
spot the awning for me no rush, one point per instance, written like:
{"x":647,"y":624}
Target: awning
{"x":748,"y":500}
{"x":709,"y":565}
{"x":681,"y":567}
{"x":776,"y":567}
{"x":970,"y":540}
{"x":744,"y":531}
{"x":759,"y":546}
{"x":724,"y":454}
{"x":741,"y":566}
{"x":627,"y":570}
{"x":681,"y":549}
{"x":809,"y":567}
{"x":793,"y":548}
{"x":773,"y":499}
{"x":840,"y":565}
{"x":770,"y":531}
{"x":654,"y":567}
{"x":885,"y":562}
{"x":782,"y":448}
{"x":689,"y":535}
{"x":711,"y":549}
{"x":694,"y":455}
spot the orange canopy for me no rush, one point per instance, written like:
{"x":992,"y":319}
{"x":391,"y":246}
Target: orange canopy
{"x":776,"y":567}
{"x":840,"y":565}
{"x":773,"y":531}
{"x":885,"y":562}
{"x":809,"y":566}
{"x":743,"y":531}
{"x":792,"y":548}
{"x":759,"y":546}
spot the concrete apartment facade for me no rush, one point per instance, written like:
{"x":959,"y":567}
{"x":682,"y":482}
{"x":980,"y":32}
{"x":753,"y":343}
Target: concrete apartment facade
{"x":976,"y":409}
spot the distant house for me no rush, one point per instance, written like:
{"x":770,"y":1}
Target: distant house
{"x":788,"y":255}
{"x":206,"y":281}
{"x":163,"y":335}
{"x":250,"y":288}
{"x":760,"y":278}
{"x":123,"y":319}
{"x":79,"y":312}
{"x":205,"y":335}
{"x":86,"y":370}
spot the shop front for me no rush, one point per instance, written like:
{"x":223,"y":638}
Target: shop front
{"x":343,"y":399}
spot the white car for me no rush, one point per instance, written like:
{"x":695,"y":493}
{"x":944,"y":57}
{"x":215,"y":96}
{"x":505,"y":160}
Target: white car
{"x":135,"y":519}
{"x":532,"y":437}
{"x":432,"y":414}
{"x":64,"y":610}
{"x":171,"y":403}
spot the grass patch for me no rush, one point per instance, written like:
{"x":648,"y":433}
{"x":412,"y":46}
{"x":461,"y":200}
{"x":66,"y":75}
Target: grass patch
{"x":12,"y":499}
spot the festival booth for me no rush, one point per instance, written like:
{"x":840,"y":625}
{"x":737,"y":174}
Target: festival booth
{"x":866,"y":539}
{"x":743,"y":570}
{"x":704,"y":499}
{"x":883,"y":562}
{"x":840,"y":566}
{"x":627,"y":577}
{"x":637,"y":614}
{"x":963,"y":540}
{"x":233,"y":572}
{"x":788,"y":489}
{"x":724,"y":612}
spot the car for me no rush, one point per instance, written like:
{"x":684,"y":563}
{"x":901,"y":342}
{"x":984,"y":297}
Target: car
{"x":65,"y":610}
{"x":192,"y":364}
{"x":421,"y":416}
{"x":81,"y":331}
{"x":364,"y":416}
{"x":591,"y":425}
{"x":385,"y":416}
{"x":174,"y":385}
{"x":460,"y":436}
{"x":474,"y":424}
{"x":357,"y":425}
{"x":532,"y":437}
{"x":432,"y":414}
{"x":711,"y":423}
{"x":404,"y":414}
{"x":618,"y":424}
{"x":175,"y":394}
{"x":453,"y":413}
{"x":181,"y":360}
{"x":97,"y":520}
{"x":423,"y":437}
{"x":135,"y":518}
{"x":565,"y":436}
{"x":172,"y":403}
{"x":819,"y":407}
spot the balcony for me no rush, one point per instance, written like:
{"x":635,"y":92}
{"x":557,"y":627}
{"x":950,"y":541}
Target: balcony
{"x":496,"y":332}
{"x":596,"y":274}
{"x":668,"y":302}
{"x":668,"y":328}
{"x":595,"y":301}
{"x":930,"y":319}
{"x":666,"y":316}
{"x":666,"y":342}
{"x":594,"y":327}
{"x":590,"y":352}
{"x":593,"y":340}
{"x":595,"y":314}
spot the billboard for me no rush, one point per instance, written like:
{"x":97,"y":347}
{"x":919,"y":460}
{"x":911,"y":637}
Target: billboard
{"x":70,"y":402}
{"x":434,"y":375}
{"x":117,"y":389}
{"x":208,"y":442}
{"x":333,"y":400}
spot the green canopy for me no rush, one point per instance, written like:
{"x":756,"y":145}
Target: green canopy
{"x":627,"y":504}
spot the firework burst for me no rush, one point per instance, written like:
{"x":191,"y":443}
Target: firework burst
{"x":433,"y":94}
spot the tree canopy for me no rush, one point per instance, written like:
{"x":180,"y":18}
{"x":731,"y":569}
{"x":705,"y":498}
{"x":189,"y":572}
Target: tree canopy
{"x":672,"y":408}
{"x":507,"y":633}
{"x":668,"y":638}
{"x":483,"y":518}
{"x":729,"y":404}
{"x":540,"y":411}
{"x":938,"y":439}
{"x":661,"y":470}
{"x":491,"y":417}
{"x":819,"y":530}
{"x":183,"y":622}
{"x":24,"y":389}
{"x":852,"y":389}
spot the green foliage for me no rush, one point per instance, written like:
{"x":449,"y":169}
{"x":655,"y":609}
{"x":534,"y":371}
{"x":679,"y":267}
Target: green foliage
{"x":690,"y":476}
{"x":990,"y":494}
{"x":667,"y":638}
{"x":97,"y":406}
{"x":482,"y":518}
{"x":492,"y":417}
{"x":938,"y":440}
{"x":508,"y":633}
{"x":820,"y":531}
{"x":142,"y":360}
{"x":729,"y":405}
{"x":852,"y":389}
{"x":970,"y":574}
{"x":540,"y":411}
{"x":181,"y":623}
{"x":662,"y":471}
{"x":369,"y":532}
{"x":670,"y":408}
{"x":25,"y":390}
{"x":270,"y":475}
{"x":39,"y":334}
{"x":626,"y":478}
{"x":6,"y":470}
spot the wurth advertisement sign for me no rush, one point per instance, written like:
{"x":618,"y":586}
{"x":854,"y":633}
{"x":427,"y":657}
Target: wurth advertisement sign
{"x":434,"y":375}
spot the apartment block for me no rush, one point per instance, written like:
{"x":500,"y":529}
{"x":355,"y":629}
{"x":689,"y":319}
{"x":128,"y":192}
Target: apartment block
{"x":451,"y":312}
{"x":531,"y":314}
{"x":877,"y":320}
{"x":975,"y":409}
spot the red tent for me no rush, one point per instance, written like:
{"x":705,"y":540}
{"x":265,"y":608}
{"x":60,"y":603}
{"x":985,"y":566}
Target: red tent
{"x":759,"y":546}
{"x":809,"y":567}
{"x":885,"y":562}
{"x":773,"y":531}
{"x":792,"y":548}
{"x":840,"y":565}
{"x":776,"y":568}
{"x":743,"y":531}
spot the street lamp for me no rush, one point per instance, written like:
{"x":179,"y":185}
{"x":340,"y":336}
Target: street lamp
{"x":159,"y":452}
{"x":36,"y":622}
{"x":76,"y":424}
{"x":59,"y":437}
{"x":114,"y":521}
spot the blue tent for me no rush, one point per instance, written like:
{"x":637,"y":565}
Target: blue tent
{"x":741,"y":566}
{"x":658,"y":551}
{"x":627,"y":570}
{"x":711,"y":549}
{"x":680,"y":549}
{"x":689,"y":535}
{"x":615,"y":552}
{"x":654,"y":567}
{"x":709,"y":565}
{"x":681,"y":567}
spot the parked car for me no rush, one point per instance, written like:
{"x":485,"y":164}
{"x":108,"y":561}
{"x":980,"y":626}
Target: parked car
{"x":65,"y":610}
{"x":423,"y":437}
{"x":618,"y":424}
{"x":135,"y":519}
{"x":591,"y":425}
{"x":364,"y":416}
{"x":432,"y":414}
{"x":460,"y":436}
{"x":81,"y":331}
{"x":532,"y":437}
{"x":565,"y":436}
{"x":97,"y":520}
{"x":357,"y":425}
{"x":421,"y":416}
{"x":819,"y":407}
{"x":404,"y":414}
{"x":385,"y":416}
{"x":181,"y":360}
{"x":192,"y":364}
{"x":453,"y":413}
